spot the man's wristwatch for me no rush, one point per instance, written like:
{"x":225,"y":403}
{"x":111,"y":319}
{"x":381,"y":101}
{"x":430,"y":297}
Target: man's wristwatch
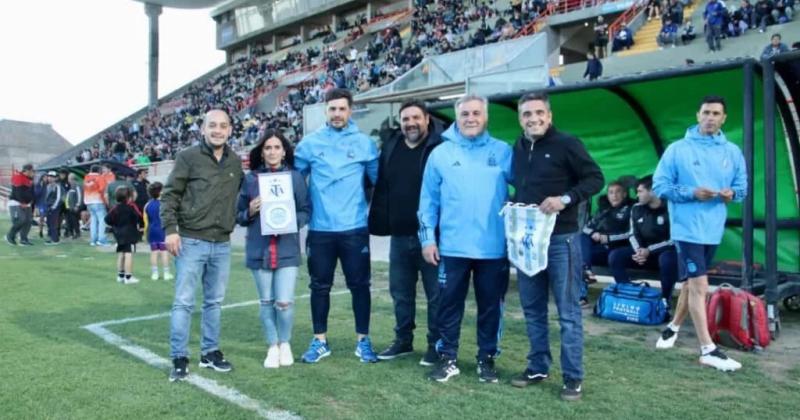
{"x":566,"y":199}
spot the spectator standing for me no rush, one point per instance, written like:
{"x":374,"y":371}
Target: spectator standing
{"x":20,"y":205}
{"x":125,"y":221}
{"x":156,"y":236}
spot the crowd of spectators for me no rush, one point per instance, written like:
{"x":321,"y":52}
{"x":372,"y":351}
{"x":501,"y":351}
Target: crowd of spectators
{"x":436,"y":28}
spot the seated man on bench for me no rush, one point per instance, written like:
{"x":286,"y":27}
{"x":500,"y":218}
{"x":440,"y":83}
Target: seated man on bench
{"x":606,"y":231}
{"x":651,"y":246}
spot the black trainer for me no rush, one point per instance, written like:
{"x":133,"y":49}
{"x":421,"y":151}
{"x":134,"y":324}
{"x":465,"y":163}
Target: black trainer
{"x":571,"y":391}
{"x":180,"y":369}
{"x":215,"y":360}
{"x":447,"y":369}
{"x":528,"y":377}
{"x":430,"y":357}
{"x":486,"y":371}
{"x":11,"y":241}
{"x":397,"y":349}
{"x":26,"y":243}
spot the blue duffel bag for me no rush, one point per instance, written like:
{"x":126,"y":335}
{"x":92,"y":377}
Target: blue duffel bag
{"x":637,"y":303}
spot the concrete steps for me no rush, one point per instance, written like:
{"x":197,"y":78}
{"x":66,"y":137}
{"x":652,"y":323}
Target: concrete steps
{"x":644,"y":40}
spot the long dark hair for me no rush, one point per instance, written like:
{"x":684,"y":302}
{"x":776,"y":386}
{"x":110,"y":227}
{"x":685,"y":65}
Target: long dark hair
{"x":257,"y":161}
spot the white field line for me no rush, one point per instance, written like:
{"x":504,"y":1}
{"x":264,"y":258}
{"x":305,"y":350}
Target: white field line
{"x":208,"y":385}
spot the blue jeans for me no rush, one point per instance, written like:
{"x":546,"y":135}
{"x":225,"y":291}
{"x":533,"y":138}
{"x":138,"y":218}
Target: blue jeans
{"x":323,"y":250}
{"x":209,"y":263}
{"x":405,"y":266}
{"x":490,"y":279}
{"x":665,"y":260}
{"x":562,"y":276}
{"x":276,"y":293}
{"x":97,"y":223}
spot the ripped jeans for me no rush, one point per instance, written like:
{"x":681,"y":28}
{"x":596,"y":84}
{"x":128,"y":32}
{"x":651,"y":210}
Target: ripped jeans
{"x":276,"y":295}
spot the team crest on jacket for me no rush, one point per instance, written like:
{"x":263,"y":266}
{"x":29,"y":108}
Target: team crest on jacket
{"x":492,"y":161}
{"x":351,"y":154}
{"x":660,"y":220}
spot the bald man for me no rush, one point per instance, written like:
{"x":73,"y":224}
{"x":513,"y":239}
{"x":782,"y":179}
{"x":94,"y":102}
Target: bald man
{"x":198,"y":208}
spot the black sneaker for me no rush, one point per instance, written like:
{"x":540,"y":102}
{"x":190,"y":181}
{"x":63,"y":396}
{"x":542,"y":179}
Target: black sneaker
{"x":26,"y":243}
{"x":180,"y":369}
{"x":215,"y":360}
{"x":11,"y":241}
{"x":571,"y":391}
{"x":397,"y":349}
{"x":447,"y":369}
{"x":430,"y":358}
{"x":528,"y":377}
{"x":486,"y":371}
{"x":585,"y":303}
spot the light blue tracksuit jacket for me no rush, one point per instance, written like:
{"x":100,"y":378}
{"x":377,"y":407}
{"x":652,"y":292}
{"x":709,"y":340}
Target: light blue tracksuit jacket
{"x":336,"y":162}
{"x":699,"y":160}
{"x":464,"y":187}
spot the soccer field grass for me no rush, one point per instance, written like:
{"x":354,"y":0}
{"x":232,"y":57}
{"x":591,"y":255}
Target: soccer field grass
{"x":53,"y":368}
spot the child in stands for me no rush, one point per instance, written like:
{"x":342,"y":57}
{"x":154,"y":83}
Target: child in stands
{"x":126,"y":223}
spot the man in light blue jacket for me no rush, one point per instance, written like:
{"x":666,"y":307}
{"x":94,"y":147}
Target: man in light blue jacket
{"x":337,"y":158}
{"x":464,"y":187}
{"x":698,"y":176}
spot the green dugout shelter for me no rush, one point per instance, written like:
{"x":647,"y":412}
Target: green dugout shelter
{"x":626,"y":123}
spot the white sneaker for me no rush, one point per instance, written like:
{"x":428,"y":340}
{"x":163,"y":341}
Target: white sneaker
{"x":286,"y":358}
{"x":168,"y":276}
{"x":132,"y":280}
{"x":718,"y":360}
{"x":272,"y":361}
{"x":154,"y":275}
{"x":120,"y":279}
{"x":667,"y":339}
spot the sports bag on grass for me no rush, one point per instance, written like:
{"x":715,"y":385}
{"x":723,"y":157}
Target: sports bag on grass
{"x":637,"y":303}
{"x":737,"y":319}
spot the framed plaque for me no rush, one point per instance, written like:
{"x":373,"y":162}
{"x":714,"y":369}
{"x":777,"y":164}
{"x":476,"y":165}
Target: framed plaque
{"x":278,"y":213}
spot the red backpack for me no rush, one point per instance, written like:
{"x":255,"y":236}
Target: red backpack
{"x":737,"y":319}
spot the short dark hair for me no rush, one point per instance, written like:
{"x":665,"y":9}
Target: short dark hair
{"x":714,"y":99}
{"x":257,"y":160}
{"x":122,"y":194}
{"x":413,"y":103}
{"x":646,"y":181}
{"x":335,"y":94}
{"x":536,"y":96}
{"x":774,"y":35}
{"x":141,"y":171}
{"x":94,"y":168}
{"x":154,"y":189}
{"x":27,"y":167}
{"x":619,"y":184}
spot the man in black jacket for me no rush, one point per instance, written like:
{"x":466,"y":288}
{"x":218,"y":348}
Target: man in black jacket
{"x":650,"y":245}
{"x":404,"y":153}
{"x":553,"y":170}
{"x":606,"y":231}
{"x":20,"y":205}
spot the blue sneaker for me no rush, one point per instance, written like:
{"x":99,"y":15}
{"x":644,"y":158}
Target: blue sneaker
{"x":316,"y":350}
{"x":364,"y":351}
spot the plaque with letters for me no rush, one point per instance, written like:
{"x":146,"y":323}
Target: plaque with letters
{"x":278,"y":214}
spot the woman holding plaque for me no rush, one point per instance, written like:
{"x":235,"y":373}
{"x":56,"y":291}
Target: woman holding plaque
{"x":273,"y":204}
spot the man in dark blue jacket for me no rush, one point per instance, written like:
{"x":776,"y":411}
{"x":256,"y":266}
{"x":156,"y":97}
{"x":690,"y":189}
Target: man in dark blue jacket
{"x":404,"y":153}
